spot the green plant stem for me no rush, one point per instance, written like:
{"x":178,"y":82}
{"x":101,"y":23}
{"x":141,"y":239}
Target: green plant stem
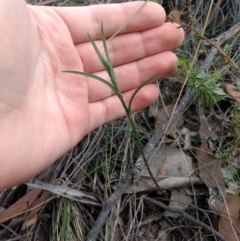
{"x":139,"y":146}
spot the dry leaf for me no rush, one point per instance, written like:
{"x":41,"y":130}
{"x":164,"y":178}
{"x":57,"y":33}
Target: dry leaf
{"x":163,"y":114}
{"x":233,"y":92}
{"x":170,"y":167}
{"x":32,"y":216}
{"x":210,"y":168}
{"x":175,"y":15}
{"x":29,"y":222}
{"x":170,"y":183}
{"x":21,"y":206}
{"x":162,"y":170}
{"x":65,"y":191}
{"x":151,"y":218}
{"x":179,"y":200}
{"x":231,"y":231}
{"x":178,"y":182}
{"x":169,"y":162}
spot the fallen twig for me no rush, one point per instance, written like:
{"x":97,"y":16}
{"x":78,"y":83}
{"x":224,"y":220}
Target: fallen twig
{"x":92,"y":236}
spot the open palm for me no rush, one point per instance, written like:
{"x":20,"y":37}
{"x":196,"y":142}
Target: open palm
{"x":45,"y":112}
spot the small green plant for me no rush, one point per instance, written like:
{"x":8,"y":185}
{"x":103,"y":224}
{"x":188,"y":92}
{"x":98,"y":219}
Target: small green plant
{"x":114,"y":87}
{"x":206,"y":87}
{"x":69,"y":223}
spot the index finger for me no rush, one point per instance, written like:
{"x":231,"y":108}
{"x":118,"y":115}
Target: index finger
{"x":83,"y":20}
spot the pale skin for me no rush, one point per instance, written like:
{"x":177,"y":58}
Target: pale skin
{"x":45,"y":112}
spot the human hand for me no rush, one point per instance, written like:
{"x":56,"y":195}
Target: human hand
{"x":45,"y":112}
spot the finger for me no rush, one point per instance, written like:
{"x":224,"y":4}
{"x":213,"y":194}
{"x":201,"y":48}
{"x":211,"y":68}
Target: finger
{"x":130,"y":47}
{"x":131,"y":75}
{"x":83,"y":20}
{"x":111,"y":108}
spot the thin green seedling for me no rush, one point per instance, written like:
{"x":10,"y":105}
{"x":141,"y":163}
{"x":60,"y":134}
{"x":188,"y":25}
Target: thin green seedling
{"x":114,"y":87}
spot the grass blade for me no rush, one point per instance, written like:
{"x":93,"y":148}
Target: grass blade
{"x":104,"y":62}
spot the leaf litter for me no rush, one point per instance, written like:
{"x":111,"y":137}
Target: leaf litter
{"x":21,"y":206}
{"x":209,"y":167}
{"x":163,"y":114}
{"x":179,"y":199}
{"x":171,"y":168}
{"x":229,"y":223}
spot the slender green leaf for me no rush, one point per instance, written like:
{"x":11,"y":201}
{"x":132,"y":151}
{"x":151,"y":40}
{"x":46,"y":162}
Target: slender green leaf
{"x":140,"y":87}
{"x":104,"y":62}
{"x":109,"y":68}
{"x":92,"y":76}
{"x":111,"y":71}
{"x":105,"y":44}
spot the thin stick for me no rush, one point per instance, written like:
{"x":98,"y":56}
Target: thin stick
{"x":92,"y":236}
